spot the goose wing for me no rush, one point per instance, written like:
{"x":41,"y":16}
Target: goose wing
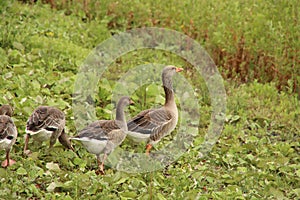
{"x":8,"y":131}
{"x":47,"y":118}
{"x":150,"y":121}
{"x":97,"y":130}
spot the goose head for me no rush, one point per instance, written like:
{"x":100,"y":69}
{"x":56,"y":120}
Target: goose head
{"x":6,"y":110}
{"x":170,"y":71}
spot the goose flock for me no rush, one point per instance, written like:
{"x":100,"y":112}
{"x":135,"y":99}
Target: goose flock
{"x":99,"y":137}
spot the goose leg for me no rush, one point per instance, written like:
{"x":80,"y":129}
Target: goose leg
{"x":8,"y":161}
{"x":148,"y":148}
{"x":53,"y":138}
{"x":100,"y":165}
{"x":64,"y":140}
{"x":25,"y":151}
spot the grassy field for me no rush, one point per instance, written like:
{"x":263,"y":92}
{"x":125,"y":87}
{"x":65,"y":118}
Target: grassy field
{"x":255,"y":45}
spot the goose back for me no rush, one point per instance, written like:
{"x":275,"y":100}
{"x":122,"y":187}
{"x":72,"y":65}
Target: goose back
{"x":44,"y":122}
{"x":8,"y":132}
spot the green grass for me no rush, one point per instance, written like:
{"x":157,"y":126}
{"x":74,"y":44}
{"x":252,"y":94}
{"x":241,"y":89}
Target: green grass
{"x":257,"y":155}
{"x":250,"y":40}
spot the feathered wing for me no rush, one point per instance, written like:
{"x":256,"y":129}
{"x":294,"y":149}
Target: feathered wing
{"x":3,"y":128}
{"x":109,"y":125}
{"x":97,"y":130}
{"x":151,"y":121}
{"x":45,"y":118}
{"x":8,"y":131}
{"x":115,"y":138}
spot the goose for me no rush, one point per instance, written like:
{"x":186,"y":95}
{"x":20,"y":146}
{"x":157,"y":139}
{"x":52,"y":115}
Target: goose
{"x":8,"y":133}
{"x":153,"y":124}
{"x":46,"y":123}
{"x":103,"y":136}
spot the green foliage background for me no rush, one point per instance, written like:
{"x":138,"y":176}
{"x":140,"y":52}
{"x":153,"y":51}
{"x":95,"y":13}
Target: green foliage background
{"x":256,"y":46}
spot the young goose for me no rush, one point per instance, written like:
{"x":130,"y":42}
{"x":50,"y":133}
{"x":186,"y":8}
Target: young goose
{"x":8,"y":133}
{"x":46,"y":123}
{"x":153,"y":124}
{"x":103,"y":136}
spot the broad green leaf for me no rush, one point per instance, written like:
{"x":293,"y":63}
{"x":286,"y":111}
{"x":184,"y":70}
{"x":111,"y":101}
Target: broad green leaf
{"x":3,"y":173}
{"x":18,"y":46}
{"x":128,"y":195}
{"x":52,"y":186}
{"x":21,"y":171}
{"x":52,"y":166}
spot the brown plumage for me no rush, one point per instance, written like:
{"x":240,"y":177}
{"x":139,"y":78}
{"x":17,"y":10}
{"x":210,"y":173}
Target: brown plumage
{"x":47,"y":123}
{"x":104,"y":136}
{"x":6,"y":110}
{"x":153,"y":124}
{"x":8,"y":133}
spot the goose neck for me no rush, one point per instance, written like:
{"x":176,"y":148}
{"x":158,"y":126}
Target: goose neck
{"x":168,"y":88}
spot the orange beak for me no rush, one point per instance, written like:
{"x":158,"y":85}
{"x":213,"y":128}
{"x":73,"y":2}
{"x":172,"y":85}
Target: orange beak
{"x":178,"y":69}
{"x":131,"y":102}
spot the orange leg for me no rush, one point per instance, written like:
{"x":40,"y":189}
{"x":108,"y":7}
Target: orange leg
{"x":148,"y":148}
{"x":101,"y":165}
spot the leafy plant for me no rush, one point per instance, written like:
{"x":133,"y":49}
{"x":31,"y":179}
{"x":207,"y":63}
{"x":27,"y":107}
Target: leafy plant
{"x":257,"y":155}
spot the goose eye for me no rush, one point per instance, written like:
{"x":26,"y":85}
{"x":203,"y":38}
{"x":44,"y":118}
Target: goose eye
{"x":10,"y":137}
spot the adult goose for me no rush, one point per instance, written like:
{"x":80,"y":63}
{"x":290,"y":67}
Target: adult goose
{"x":8,"y":133}
{"x":153,"y":124}
{"x":103,"y":136}
{"x":47,"y":123}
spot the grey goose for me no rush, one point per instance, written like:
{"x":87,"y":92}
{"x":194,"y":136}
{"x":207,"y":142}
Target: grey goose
{"x":153,"y":124}
{"x":103,"y":136}
{"x":8,"y":133}
{"x":46,"y":123}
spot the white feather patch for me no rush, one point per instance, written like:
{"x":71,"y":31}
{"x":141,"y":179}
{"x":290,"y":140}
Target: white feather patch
{"x":40,"y":135}
{"x":5,"y":143}
{"x":138,"y":137}
{"x":92,"y":145}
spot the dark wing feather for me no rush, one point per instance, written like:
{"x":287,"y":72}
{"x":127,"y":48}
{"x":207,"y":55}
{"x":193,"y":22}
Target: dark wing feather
{"x":108,"y":125}
{"x":98,"y":130}
{"x":3,"y":127}
{"x":6,"y":128}
{"x":45,"y":117}
{"x":150,"y":121}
